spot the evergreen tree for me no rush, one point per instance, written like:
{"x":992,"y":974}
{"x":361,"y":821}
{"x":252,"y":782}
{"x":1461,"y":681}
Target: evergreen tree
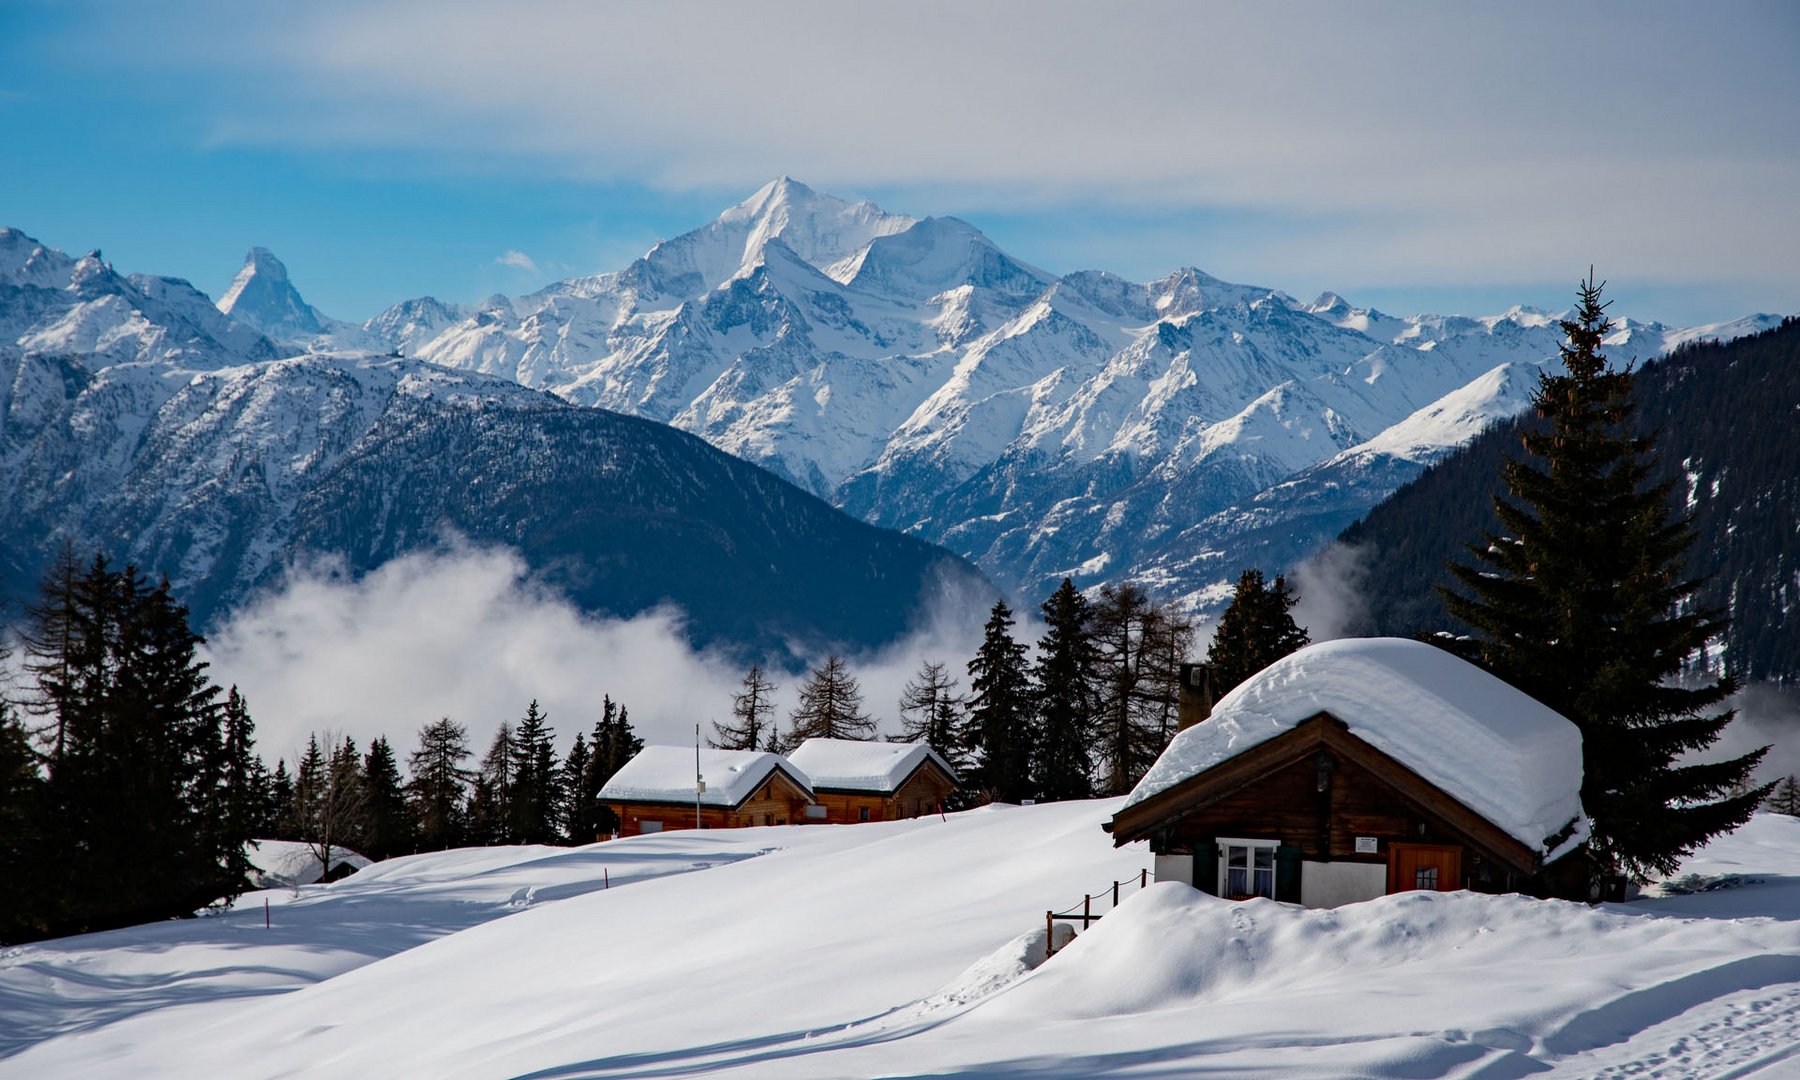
{"x":612,"y":745}
{"x":830,"y":706}
{"x":245,"y":795}
{"x":1061,"y":762}
{"x":1582,"y":604}
{"x":25,"y":904}
{"x":752,"y":714}
{"x":580,"y":818}
{"x":490,"y":805}
{"x":1255,"y":631}
{"x":310,"y":781}
{"x":279,"y":812}
{"x":1138,"y":650}
{"x":388,"y":820}
{"x":341,"y":813}
{"x":536,"y":806}
{"x":134,"y":777}
{"x":1000,"y":721}
{"x":439,"y":783}
{"x":1785,"y":797}
{"x":931,"y":712}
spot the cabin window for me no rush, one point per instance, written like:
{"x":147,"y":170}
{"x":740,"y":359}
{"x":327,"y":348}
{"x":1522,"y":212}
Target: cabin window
{"x":1246,"y":869}
{"x":649,"y":826}
{"x":816,"y":812}
{"x":862,"y":813}
{"x":1426,"y":878}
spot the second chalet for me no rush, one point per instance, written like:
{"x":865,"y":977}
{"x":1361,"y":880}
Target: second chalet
{"x":659,"y":789}
{"x":874,"y":781}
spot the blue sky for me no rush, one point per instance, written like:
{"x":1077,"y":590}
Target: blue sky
{"x":1416,"y":157}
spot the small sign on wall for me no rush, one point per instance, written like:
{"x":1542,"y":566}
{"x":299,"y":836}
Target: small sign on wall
{"x":1367,"y":845}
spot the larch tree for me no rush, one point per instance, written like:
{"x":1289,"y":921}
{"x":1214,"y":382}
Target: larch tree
{"x":830,"y":706}
{"x":931,"y":711}
{"x":1582,"y":602}
{"x":1139,"y":646}
{"x":752,"y":714}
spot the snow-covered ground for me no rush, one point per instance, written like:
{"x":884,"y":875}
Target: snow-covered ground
{"x":903,"y":948}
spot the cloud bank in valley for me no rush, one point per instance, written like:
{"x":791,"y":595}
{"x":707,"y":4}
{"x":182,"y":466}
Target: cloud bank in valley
{"x":469,"y":634}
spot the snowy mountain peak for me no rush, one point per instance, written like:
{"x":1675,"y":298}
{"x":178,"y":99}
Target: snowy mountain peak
{"x":262,"y":296}
{"x":24,"y":261}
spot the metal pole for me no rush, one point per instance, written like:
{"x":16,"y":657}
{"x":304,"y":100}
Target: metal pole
{"x":696,"y":776}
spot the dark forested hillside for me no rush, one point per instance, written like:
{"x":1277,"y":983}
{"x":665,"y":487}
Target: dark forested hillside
{"x":1727,"y":419}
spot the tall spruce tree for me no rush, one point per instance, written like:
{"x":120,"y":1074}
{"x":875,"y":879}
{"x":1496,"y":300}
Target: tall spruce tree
{"x":1062,"y":764}
{"x":26,"y":905}
{"x":537,"y":795}
{"x":752,"y":714}
{"x":438,"y":788}
{"x":613,"y":744}
{"x":1000,"y":721}
{"x":830,"y":706}
{"x":1256,"y":630}
{"x":1583,"y":604}
{"x":388,"y":823}
{"x":580,"y":809}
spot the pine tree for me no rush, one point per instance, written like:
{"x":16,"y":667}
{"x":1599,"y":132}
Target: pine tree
{"x":931,"y":712}
{"x":1061,"y":763}
{"x":1583,"y":605}
{"x":1138,"y":650}
{"x":245,"y":784}
{"x":830,"y":706}
{"x":341,"y":813}
{"x":1254,"y":632}
{"x":437,"y":790}
{"x":752,"y":710}
{"x":490,"y":805}
{"x":535,"y":810}
{"x":388,"y":820}
{"x":1000,"y":721}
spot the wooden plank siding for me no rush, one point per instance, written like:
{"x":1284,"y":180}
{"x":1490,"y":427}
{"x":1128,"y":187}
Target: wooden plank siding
{"x":1277,"y":791}
{"x":778,"y":801}
{"x":919,"y":794}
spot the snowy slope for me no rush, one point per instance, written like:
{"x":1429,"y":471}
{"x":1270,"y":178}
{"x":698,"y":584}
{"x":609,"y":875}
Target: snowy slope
{"x":902,"y":948}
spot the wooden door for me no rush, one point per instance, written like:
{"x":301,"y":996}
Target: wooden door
{"x":1431,"y":867}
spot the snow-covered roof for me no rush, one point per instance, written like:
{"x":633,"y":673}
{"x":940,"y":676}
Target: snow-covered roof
{"x":666,"y":774}
{"x":1499,"y":752}
{"x":854,"y":765}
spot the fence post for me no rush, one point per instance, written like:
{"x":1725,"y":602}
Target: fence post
{"x":1049,"y":935}
{"x":1087,"y":917}
{"x":1115,"y":894}
{"x":1144,"y":878}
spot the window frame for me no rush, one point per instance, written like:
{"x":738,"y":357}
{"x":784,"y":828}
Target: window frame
{"x":1251,"y":846}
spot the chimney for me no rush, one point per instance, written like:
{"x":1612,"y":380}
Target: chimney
{"x":1196,"y":702}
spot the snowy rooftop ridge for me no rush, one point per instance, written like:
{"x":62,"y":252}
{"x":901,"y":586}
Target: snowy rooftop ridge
{"x":666,"y":774}
{"x":1498,"y":751}
{"x":856,"y":765}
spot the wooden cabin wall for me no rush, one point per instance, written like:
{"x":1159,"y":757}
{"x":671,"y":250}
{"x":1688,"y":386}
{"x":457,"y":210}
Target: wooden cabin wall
{"x":1288,"y":806}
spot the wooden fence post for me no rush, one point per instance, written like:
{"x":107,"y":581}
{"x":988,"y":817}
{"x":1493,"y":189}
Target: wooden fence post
{"x":1049,"y":935}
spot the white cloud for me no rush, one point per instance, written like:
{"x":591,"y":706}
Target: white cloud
{"x":1409,"y":140}
{"x":468,"y":634}
{"x":518,"y":260}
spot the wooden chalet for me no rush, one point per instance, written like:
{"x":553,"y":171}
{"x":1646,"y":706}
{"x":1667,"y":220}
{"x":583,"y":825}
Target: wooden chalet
{"x":856,"y":781}
{"x":1353,"y":769}
{"x":656,"y":791}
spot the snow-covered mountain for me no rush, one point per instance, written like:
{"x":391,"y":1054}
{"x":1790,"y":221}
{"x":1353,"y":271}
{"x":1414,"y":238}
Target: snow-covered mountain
{"x":913,"y":373}
{"x":138,"y":418}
